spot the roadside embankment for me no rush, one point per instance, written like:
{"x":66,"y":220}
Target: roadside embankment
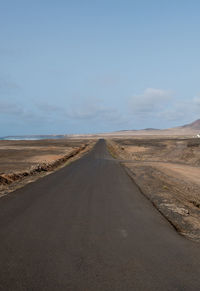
{"x":167,"y":173}
{"x":29,"y":162}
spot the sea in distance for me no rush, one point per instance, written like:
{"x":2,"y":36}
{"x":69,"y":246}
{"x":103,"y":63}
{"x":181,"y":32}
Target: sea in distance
{"x":32,"y":137}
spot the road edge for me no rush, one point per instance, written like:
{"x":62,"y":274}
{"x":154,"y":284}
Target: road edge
{"x":46,"y":169}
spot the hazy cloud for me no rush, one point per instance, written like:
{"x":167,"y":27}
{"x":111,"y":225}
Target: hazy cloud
{"x":17,"y":110}
{"x":196,"y":101}
{"x":94,"y":110}
{"x":173,"y":114}
{"x":178,"y":111}
{"x":7,"y":85}
{"x":89,"y":109}
{"x":149,"y":101}
{"x":48,"y":108}
{"x":158,"y":106}
{"x":9,"y":108}
{"x":152,"y":107}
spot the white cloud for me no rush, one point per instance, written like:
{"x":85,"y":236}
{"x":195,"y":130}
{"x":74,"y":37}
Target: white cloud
{"x":160,"y":107}
{"x":149,"y":101}
{"x":196,"y":101}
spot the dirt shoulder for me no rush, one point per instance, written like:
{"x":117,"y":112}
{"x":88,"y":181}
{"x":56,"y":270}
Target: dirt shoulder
{"x":167,"y":172}
{"x":23,"y":162}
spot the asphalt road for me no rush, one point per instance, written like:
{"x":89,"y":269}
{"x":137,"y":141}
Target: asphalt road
{"x":87,"y":227}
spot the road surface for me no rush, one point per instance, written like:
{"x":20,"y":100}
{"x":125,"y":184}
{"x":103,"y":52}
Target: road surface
{"x":87,"y":227}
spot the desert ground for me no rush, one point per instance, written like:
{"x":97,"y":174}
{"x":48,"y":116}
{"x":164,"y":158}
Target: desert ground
{"x":165,"y":168}
{"x":167,"y":171}
{"x":24,"y":161}
{"x":87,"y":226}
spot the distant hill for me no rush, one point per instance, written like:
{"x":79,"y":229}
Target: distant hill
{"x":151,"y":129}
{"x":190,"y":129}
{"x":193,"y":125}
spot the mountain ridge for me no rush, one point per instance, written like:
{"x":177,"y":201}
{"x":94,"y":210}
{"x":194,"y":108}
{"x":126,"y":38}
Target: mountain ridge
{"x":194,"y":125}
{"x":190,"y":129}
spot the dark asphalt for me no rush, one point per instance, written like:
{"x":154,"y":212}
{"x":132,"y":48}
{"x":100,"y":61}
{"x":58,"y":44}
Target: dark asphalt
{"x":87,"y":227}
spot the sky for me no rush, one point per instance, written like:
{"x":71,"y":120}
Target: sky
{"x":98,"y":66}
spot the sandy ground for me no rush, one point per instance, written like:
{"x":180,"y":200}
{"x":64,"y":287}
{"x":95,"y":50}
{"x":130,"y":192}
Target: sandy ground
{"x":167,"y":171}
{"x":21,"y":155}
{"x":183,"y":172}
{"x":22,"y":162}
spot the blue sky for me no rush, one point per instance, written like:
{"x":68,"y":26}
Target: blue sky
{"x":96,"y":66}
